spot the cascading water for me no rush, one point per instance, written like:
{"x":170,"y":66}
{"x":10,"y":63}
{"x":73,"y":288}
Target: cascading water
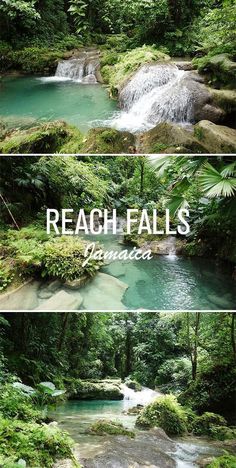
{"x":142,"y":397}
{"x":155,"y":94}
{"x":81,"y":69}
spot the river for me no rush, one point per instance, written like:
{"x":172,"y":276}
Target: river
{"x":148,"y":448}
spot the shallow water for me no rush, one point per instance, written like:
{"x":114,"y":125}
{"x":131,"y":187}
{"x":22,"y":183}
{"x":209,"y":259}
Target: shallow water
{"x":46,"y":99}
{"x":77,"y":416}
{"x":166,"y":282}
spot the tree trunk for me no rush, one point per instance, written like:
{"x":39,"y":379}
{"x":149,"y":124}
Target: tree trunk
{"x":65,"y":320}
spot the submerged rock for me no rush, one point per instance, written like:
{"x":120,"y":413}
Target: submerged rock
{"x":216,"y":138}
{"x":108,"y":140}
{"x":104,"y":292}
{"x":62,"y":301}
{"x":169,"y":135}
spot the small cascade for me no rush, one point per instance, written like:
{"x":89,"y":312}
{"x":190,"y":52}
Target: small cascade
{"x":155,"y":94}
{"x":142,"y":397}
{"x":81,"y":69}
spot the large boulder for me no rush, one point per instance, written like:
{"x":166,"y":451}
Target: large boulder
{"x":220,"y":68}
{"x":108,"y":140}
{"x":216,"y":138}
{"x":46,"y":138}
{"x":201,"y":99}
{"x":96,"y":390}
{"x":170,"y":138}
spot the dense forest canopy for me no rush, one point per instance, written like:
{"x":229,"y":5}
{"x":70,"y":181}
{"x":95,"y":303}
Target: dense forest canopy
{"x":182,"y":26}
{"x":192,"y":353}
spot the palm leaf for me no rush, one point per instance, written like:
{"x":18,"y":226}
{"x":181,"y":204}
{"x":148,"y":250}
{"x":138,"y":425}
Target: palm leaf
{"x":215,"y":183}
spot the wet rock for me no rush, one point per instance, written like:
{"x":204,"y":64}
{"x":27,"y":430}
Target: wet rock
{"x":205,"y":461}
{"x":134,"y":410}
{"x":77,"y":283}
{"x":146,"y":450}
{"x":66,"y":463}
{"x":216,"y":138}
{"x":108,"y":140}
{"x":169,"y":135}
{"x":104,"y":292}
{"x":62,"y":301}
{"x":201,"y":99}
{"x":184,"y":65}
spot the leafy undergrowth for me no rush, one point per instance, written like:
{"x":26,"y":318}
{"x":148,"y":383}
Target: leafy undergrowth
{"x":31,"y":252}
{"x":127,"y":63}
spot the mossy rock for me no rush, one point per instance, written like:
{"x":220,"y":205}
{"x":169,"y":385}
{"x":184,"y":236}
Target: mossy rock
{"x":46,"y":138}
{"x":170,"y":138}
{"x":133,"y":384}
{"x":129,"y":62}
{"x":221,"y":68}
{"x":216,"y":138}
{"x":96,"y":390}
{"x":108,"y":140}
{"x":104,"y":427}
{"x":164,"y":412}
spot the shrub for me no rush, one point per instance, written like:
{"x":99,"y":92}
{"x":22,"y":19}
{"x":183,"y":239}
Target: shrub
{"x":203,"y":424}
{"x":166,"y":413}
{"x":35,"y":59}
{"x":103,"y":427}
{"x":38,"y":444}
{"x":225,"y":461}
{"x":14,"y":404}
{"x":63,"y":258}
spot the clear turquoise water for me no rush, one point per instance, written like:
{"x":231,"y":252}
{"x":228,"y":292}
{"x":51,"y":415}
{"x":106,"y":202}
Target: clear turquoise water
{"x":35,"y":98}
{"x":169,"y":282}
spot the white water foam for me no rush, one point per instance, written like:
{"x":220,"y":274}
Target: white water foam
{"x":156,"y":93}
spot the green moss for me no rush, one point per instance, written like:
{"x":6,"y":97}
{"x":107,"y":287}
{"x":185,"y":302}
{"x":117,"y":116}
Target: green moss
{"x":164,"y":412}
{"x":103,"y":427}
{"x":203,"y":424}
{"x":46,"y":138}
{"x":107,"y":140}
{"x":128,"y":63}
{"x":38,"y":444}
{"x":169,"y":137}
{"x":220,"y":68}
{"x":225,"y":461}
{"x":130,"y":383}
{"x":95,"y":390}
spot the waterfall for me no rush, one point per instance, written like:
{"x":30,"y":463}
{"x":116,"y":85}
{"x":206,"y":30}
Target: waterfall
{"x":155,"y":94}
{"x":143,"y":397}
{"x":82,"y":68}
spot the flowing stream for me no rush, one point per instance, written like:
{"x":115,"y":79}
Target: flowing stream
{"x":149,"y":448}
{"x":155,"y":94}
{"x":166,"y":282}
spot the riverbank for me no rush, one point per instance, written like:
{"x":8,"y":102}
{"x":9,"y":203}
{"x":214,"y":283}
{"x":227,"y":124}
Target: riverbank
{"x":181,"y":111}
{"x":153,"y":447}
